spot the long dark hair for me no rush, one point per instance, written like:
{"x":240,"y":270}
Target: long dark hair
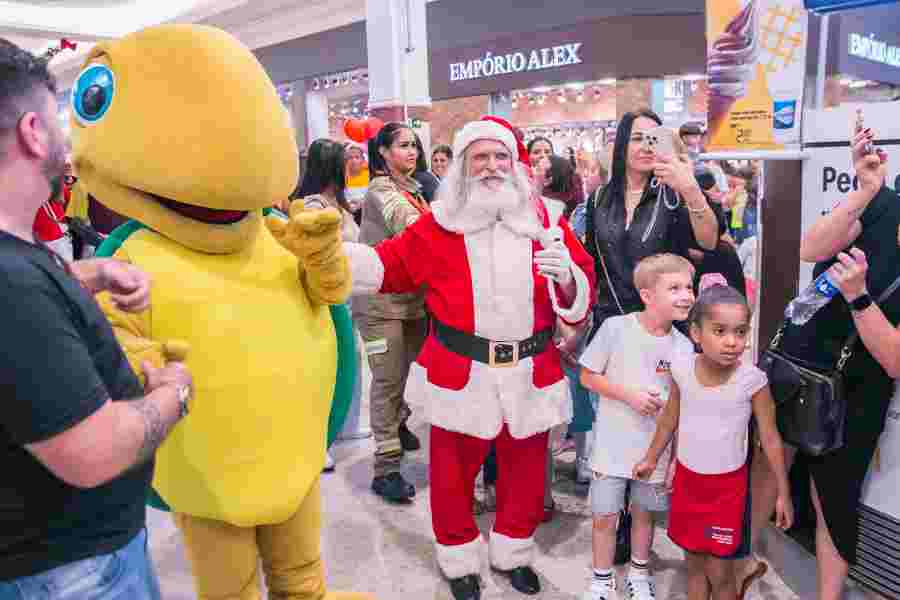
{"x":615,"y":189}
{"x":385,"y":139}
{"x":421,"y":163}
{"x":324,"y":168}
{"x":561,"y":174}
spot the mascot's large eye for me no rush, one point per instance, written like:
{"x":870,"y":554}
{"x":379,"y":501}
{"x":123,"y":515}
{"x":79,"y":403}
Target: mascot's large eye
{"x":93,"y":93}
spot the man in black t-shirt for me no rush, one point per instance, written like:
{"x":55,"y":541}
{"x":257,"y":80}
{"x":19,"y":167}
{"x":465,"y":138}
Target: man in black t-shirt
{"x":77,"y":431}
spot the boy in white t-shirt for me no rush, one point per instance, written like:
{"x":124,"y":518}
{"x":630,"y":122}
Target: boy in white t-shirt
{"x":627,"y":365}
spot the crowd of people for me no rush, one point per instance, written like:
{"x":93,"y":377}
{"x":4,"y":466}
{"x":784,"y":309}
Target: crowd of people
{"x":496,"y":288}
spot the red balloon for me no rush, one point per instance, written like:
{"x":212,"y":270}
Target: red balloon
{"x":355,"y":129}
{"x":372,"y":126}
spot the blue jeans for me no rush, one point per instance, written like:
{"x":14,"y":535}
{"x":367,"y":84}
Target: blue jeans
{"x":126,"y":574}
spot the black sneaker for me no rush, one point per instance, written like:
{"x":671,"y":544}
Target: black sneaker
{"x":466,"y":588}
{"x":393,"y":487}
{"x":408,"y":439}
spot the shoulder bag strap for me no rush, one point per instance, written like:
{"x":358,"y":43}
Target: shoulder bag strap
{"x":847,"y":350}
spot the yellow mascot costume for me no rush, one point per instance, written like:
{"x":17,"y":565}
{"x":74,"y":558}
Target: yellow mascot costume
{"x":180,"y":129}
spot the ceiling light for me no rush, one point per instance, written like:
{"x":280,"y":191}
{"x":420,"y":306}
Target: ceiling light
{"x":542,"y":89}
{"x":561,"y":98}
{"x":579,"y":97}
{"x":610,"y":81}
{"x":316,"y":85}
{"x":694,"y":77}
{"x":858,"y":84}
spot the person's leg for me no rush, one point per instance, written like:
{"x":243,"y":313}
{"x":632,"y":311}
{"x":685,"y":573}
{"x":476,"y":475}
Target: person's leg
{"x":386,"y":351}
{"x":763,"y":494}
{"x":646,"y":499}
{"x":414,"y":334}
{"x":607,"y":499}
{"x":352,"y":429}
{"x":453,"y":464}
{"x":520,"y":492}
{"x":291,"y":555}
{"x":832,"y":568}
{"x":126,"y":574}
{"x":223,"y":558}
{"x":697,"y":583}
{"x":720,"y":574}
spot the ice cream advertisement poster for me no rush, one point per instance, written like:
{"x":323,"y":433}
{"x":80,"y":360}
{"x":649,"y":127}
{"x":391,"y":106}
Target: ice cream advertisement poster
{"x":756,"y":62}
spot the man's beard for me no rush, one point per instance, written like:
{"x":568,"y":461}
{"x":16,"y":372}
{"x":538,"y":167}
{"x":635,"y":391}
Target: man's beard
{"x":54,"y":167}
{"x":497,"y":197}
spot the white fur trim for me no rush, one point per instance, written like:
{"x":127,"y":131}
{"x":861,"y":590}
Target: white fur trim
{"x":491,"y":398}
{"x":500,"y":261}
{"x":580,"y":305}
{"x":462,"y":560}
{"x":509,"y":553}
{"x":484,"y":130}
{"x":366,"y":268}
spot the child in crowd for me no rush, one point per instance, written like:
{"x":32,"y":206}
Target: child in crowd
{"x":712,"y":398}
{"x":627,"y":365}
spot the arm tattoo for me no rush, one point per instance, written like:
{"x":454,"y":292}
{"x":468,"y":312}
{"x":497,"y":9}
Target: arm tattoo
{"x":155,"y":428}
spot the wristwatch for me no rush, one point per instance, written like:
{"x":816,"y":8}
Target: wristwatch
{"x":184,"y":396}
{"x":861,"y":303}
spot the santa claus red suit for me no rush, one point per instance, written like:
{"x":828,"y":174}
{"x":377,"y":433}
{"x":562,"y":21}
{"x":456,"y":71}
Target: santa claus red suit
{"x":496,"y":276}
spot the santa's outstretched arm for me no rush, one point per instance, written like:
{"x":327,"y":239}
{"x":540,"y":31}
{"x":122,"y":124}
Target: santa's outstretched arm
{"x":395,"y":266}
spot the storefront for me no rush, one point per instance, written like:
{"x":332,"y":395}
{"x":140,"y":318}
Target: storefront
{"x":570,"y":83}
{"x":563,"y":71}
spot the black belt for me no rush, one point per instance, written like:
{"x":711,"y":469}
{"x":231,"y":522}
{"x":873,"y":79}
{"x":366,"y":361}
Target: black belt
{"x":495,"y":354}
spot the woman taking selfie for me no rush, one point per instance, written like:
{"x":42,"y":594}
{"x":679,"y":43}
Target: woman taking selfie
{"x":393,"y":326}
{"x":631,"y":218}
{"x":867,"y":223}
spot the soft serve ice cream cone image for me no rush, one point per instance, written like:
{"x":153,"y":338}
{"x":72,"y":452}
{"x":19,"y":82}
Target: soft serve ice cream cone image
{"x":731,"y":63}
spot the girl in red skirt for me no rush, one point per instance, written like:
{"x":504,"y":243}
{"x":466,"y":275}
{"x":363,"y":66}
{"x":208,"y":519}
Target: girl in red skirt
{"x":713,"y":396}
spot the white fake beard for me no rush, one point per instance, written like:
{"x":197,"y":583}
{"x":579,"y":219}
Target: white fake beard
{"x":495,"y":199}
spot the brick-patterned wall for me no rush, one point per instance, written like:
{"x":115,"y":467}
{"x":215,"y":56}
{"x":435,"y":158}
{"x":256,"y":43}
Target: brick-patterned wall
{"x":448,"y":116}
{"x":632,"y":94}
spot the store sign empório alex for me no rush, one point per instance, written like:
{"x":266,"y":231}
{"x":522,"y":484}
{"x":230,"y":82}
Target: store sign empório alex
{"x":756,"y":64}
{"x":517,"y":62}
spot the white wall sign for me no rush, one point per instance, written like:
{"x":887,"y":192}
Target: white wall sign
{"x":517,"y":62}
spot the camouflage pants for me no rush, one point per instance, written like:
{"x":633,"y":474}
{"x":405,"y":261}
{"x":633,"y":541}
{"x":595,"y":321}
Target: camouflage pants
{"x":391,"y":346}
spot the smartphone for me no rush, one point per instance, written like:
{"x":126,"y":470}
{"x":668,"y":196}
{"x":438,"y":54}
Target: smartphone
{"x":660,"y":141}
{"x":858,"y":127}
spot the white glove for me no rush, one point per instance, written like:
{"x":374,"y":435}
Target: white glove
{"x":555,"y":262}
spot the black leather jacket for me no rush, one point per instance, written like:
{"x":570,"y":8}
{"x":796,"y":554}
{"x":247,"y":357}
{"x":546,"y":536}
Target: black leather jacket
{"x":654,"y":228}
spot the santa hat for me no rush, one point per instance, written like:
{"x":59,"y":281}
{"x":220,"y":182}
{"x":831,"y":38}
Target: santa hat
{"x":522,"y":151}
{"x":484,"y":130}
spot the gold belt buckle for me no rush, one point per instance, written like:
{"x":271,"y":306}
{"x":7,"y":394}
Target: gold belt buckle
{"x":510,"y":349}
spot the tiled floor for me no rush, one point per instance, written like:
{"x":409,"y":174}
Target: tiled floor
{"x":387,"y":550}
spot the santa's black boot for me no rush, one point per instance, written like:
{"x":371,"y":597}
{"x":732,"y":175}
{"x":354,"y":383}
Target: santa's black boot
{"x":466,"y":588}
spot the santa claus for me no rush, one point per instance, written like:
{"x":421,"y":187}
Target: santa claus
{"x":497,"y":271}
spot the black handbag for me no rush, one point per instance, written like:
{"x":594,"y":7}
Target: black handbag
{"x":811,"y":404}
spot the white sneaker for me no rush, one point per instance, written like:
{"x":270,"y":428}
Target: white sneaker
{"x":329,"y":463}
{"x":601,"y":590}
{"x":640,"y":587}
